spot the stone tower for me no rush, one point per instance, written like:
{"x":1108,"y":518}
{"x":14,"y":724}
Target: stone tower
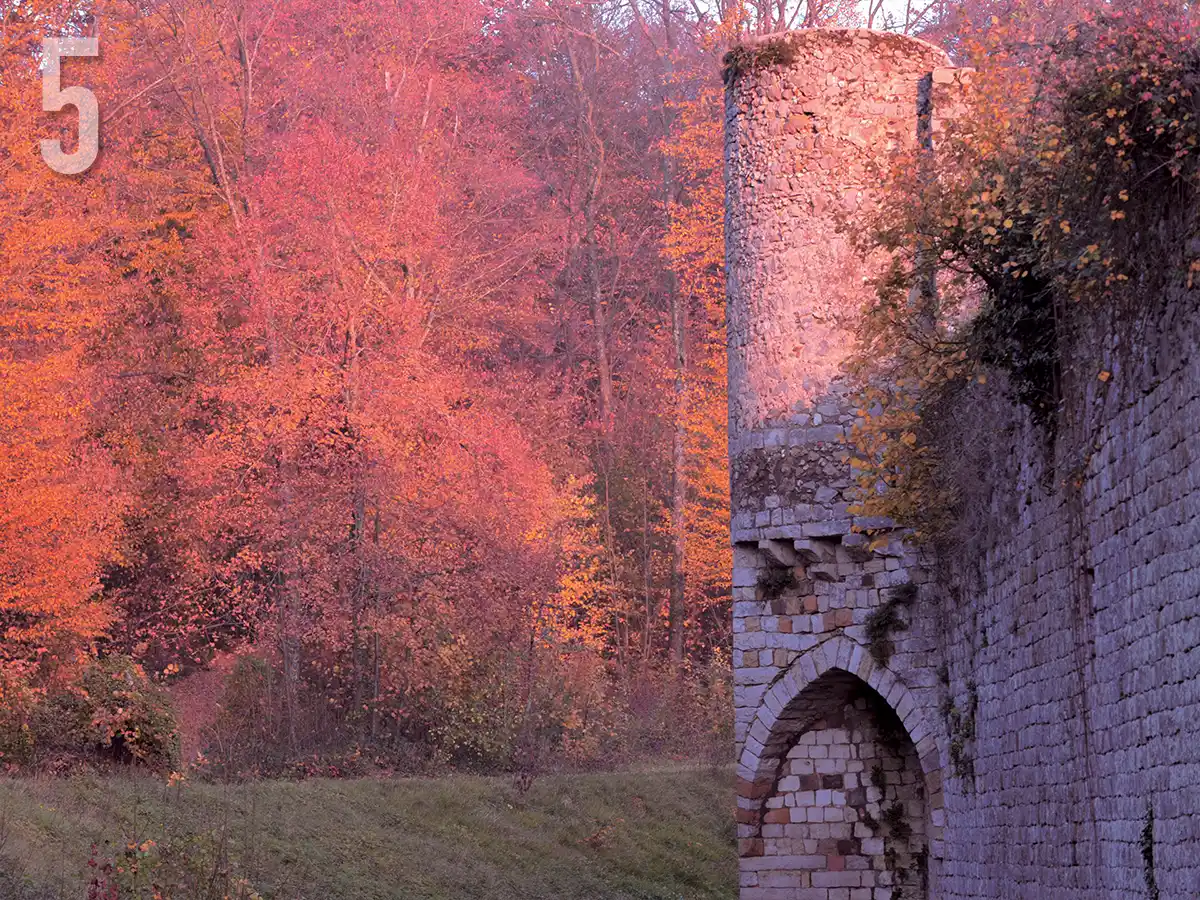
{"x":839,"y":791}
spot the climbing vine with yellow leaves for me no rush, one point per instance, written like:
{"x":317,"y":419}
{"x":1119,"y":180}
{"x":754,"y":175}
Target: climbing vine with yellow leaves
{"x":1065,"y":189}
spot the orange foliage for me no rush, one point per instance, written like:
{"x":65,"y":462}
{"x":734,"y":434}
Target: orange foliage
{"x":359,"y":347}
{"x":59,"y":500}
{"x":1065,"y":180}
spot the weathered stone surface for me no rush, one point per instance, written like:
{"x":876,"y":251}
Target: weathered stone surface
{"x":1043,"y":684}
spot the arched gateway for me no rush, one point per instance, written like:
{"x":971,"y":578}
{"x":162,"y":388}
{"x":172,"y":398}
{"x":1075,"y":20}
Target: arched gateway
{"x":840,"y":794}
{"x":834,"y":791}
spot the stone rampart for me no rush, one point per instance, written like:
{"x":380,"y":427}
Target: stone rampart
{"x":1014,"y":722}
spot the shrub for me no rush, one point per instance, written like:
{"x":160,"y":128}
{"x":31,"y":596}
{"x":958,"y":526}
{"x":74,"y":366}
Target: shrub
{"x":197,"y":867}
{"x":108,"y":709}
{"x":497,"y":716}
{"x":18,"y":700}
{"x":130,"y":716}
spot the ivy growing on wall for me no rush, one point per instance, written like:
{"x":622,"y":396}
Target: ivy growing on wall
{"x":773,"y":581}
{"x":885,"y":621}
{"x":1067,"y":184}
{"x":1146,"y":842}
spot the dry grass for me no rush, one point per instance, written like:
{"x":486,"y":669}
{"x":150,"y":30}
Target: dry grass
{"x":656,"y":834}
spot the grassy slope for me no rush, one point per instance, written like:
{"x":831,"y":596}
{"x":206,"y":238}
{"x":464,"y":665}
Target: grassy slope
{"x":659,"y":834}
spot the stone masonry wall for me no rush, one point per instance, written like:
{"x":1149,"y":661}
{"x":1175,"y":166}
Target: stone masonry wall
{"x":803,"y":144}
{"x":1029,"y":704}
{"x":1071,"y":638}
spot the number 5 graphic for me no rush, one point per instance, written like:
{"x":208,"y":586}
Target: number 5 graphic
{"x":54,"y":99}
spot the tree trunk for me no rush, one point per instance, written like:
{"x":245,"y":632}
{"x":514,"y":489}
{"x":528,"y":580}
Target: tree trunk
{"x":677,"y":601}
{"x":677,"y":609}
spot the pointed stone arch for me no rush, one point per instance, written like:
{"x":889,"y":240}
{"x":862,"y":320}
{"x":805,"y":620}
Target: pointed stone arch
{"x":782,"y":717}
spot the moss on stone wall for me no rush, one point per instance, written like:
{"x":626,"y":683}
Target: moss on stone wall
{"x":747,"y":58}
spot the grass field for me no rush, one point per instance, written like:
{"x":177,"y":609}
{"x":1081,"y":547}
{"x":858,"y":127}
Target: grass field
{"x":653,"y":834}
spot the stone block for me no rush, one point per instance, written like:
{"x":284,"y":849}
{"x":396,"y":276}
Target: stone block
{"x":826,"y":529}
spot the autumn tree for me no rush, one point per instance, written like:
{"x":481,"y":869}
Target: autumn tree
{"x":388,"y":350}
{"x":60,"y":500}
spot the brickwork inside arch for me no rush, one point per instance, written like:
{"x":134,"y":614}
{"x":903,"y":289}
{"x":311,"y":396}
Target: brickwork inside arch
{"x":847,"y":813}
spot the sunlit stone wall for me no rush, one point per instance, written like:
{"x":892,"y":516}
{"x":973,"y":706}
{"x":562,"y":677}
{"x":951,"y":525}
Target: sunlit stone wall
{"x":805,"y":142}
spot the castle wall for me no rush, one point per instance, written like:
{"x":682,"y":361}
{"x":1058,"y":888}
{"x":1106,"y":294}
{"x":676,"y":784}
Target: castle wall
{"x":1074,"y":618}
{"x":1039,"y":687}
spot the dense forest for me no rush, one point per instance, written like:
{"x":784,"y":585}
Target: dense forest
{"x":383,"y":349}
{"x":377,"y":368}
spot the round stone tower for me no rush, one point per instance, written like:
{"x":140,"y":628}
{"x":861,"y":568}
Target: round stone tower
{"x":802,"y":142}
{"x":839,"y":791}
